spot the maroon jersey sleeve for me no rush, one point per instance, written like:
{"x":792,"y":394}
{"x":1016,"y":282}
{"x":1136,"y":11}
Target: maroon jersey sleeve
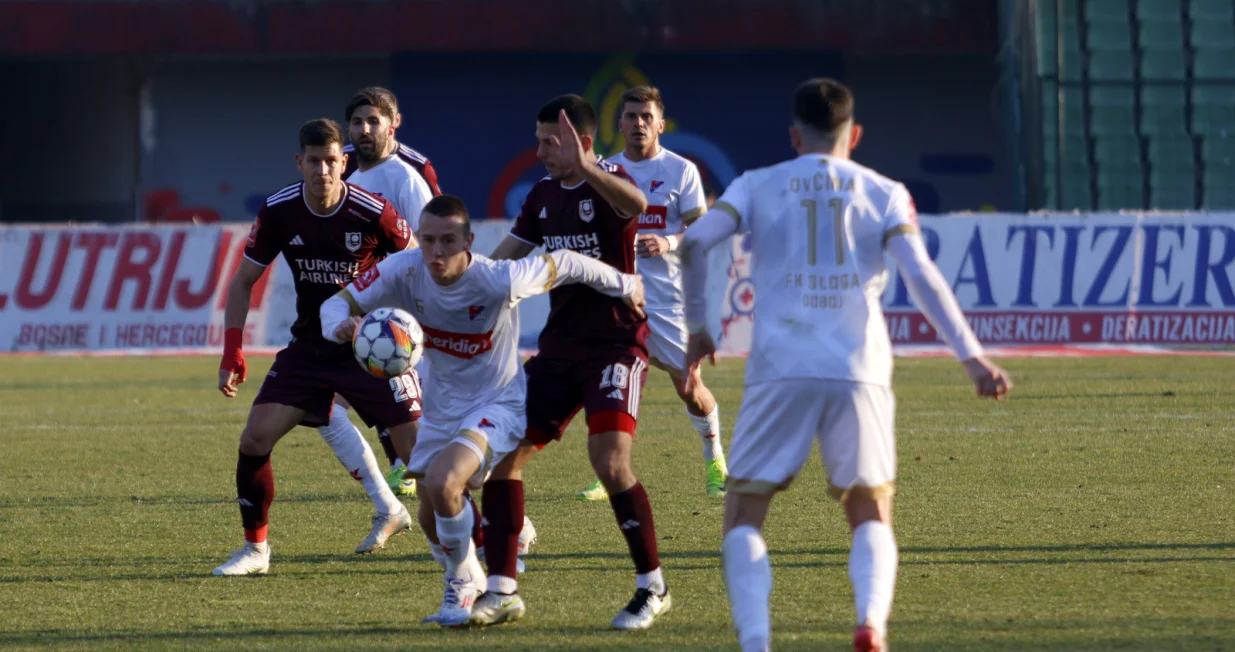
{"x":430,"y":177}
{"x":263,"y":245}
{"x":395,"y":234}
{"x":527,"y":222}
{"x":620,"y":172}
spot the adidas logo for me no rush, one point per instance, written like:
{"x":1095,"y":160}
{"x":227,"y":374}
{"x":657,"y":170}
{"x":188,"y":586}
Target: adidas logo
{"x":296,"y":241}
{"x":617,"y":394}
{"x":629,"y":525}
{"x":244,"y":502}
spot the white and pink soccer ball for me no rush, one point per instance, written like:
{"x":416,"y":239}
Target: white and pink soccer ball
{"x":388,"y":343}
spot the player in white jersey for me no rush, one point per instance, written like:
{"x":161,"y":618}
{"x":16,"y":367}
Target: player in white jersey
{"x":820,"y":364}
{"x":475,"y":415}
{"x":372,"y":116}
{"x":675,"y":199}
{"x":371,"y":128}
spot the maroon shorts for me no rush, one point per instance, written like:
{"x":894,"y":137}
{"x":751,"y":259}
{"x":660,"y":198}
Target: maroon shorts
{"x":606,"y":387}
{"x":301,"y":379}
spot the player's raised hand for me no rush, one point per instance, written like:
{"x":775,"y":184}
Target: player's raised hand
{"x":344,"y":331}
{"x":650,"y":245}
{"x":570,"y":145}
{"x":638,"y":298}
{"x":988,"y":379}
{"x":698,"y":347}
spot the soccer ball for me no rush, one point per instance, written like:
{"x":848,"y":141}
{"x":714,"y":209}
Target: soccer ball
{"x":388,"y":342}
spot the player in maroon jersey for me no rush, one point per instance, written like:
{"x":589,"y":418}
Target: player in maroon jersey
{"x":592,"y":357}
{"x":328,"y":232}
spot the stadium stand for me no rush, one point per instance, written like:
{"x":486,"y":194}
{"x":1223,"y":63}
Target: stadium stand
{"x":1137,"y":103}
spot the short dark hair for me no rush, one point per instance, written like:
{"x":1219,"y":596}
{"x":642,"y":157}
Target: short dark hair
{"x":376,"y":96}
{"x":579,"y":110}
{"x":320,"y":132}
{"x":449,"y":206}
{"x":642,"y":94}
{"x":824,"y":105}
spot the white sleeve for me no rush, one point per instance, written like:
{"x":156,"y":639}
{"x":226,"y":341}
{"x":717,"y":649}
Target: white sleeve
{"x":737,"y":203}
{"x":704,"y":234}
{"x":539,"y":274}
{"x":901,"y":216}
{"x":378,"y":286}
{"x":932,"y":295}
{"x":692,"y":203}
{"x":412,"y":199}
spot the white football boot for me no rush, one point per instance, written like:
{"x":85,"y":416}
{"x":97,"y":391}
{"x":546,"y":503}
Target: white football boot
{"x":460,"y":594}
{"x":494,"y":608}
{"x":643,"y":609}
{"x":384,"y":527}
{"x":249,"y":560}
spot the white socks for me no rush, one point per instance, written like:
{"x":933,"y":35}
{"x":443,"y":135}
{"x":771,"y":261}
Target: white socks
{"x":438,"y":555}
{"x":455,"y":535}
{"x":872,"y":570}
{"x":357,"y":457}
{"x":748,"y":577}
{"x":709,"y":431}
{"x":653,"y":580}
{"x":502,"y":584}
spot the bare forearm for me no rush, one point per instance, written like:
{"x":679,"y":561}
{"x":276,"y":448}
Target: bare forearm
{"x":511,"y":248}
{"x":620,"y":193}
{"x":236,"y":312}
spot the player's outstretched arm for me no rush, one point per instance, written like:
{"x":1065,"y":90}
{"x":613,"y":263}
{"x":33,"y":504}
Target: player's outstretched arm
{"x":532,"y":276}
{"x":704,"y":234}
{"x":933,"y":296}
{"x":511,"y":248}
{"x":232,"y":369}
{"x":340,"y":315}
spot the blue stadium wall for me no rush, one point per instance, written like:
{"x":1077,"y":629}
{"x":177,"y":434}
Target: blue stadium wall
{"x":220,"y":134}
{"x":929,"y":118}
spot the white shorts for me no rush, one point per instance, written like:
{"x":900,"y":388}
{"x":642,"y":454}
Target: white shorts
{"x":667,"y":339}
{"x":779,"y":419}
{"x":491,"y":432}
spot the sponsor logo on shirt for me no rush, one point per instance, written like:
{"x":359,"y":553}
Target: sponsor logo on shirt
{"x":352,"y":240}
{"x":257,"y":224}
{"x":586,"y":210}
{"x":655,"y":217}
{"x":459,"y":345}
{"x":365,"y":280}
{"x":587,"y":244}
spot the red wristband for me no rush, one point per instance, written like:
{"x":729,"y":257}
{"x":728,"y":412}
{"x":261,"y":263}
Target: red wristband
{"x":233,"y":339}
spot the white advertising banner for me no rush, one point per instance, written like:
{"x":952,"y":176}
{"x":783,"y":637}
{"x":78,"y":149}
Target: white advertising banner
{"x":1023,"y":280}
{"x":1061,"y":280}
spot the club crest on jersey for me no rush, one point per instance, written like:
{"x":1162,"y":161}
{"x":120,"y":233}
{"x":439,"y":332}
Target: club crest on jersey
{"x":352,"y":241}
{"x":486,"y":424}
{"x":655,"y":185}
{"x":474,"y":312}
{"x":586,"y":210}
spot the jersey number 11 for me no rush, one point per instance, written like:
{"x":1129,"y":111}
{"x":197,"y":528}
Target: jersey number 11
{"x":838,"y":229}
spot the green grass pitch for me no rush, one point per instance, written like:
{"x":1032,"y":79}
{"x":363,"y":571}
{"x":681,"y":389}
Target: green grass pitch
{"x":1093,"y":510}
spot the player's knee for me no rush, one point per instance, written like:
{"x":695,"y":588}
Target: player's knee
{"x":863,"y":506}
{"x":257,"y":440}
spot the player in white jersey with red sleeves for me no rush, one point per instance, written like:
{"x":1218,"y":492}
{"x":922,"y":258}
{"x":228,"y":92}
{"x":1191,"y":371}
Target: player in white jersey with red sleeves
{"x":820,"y":365}
{"x":475,"y":413}
{"x":675,"y":199}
